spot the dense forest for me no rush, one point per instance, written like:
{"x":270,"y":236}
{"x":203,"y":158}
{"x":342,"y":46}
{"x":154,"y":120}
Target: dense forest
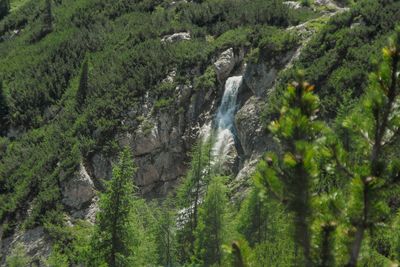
{"x":122,"y":143}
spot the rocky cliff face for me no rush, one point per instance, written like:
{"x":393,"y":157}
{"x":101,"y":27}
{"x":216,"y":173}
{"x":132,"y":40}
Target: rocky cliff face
{"x":162,"y":140}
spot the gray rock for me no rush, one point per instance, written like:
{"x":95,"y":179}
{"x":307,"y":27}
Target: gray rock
{"x":241,"y":183}
{"x":101,"y":166}
{"x":170,"y":77}
{"x":79,"y":190}
{"x":35,"y":242}
{"x":322,"y":2}
{"x":176,"y":37}
{"x":226,"y":62}
{"x":89,"y":213}
{"x":292,"y":4}
{"x":147,"y":138}
{"x":261,"y":76}
{"x":159,"y":152}
{"x":250,"y":131}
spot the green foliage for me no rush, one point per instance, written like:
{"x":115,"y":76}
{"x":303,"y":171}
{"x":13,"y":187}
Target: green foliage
{"x":4,"y":8}
{"x":338,"y":59}
{"x":296,"y":131}
{"x":301,"y":196}
{"x":113,"y":239}
{"x":189,"y":196}
{"x":265,"y":224}
{"x":210,"y":231}
{"x":18,"y":257}
{"x":374,"y":150}
{"x":82,"y":92}
{"x":3,"y":111}
{"x":163,"y":103}
{"x":207,"y":81}
{"x":57,"y":259}
{"x":165,"y":233}
{"x":72,"y":243}
{"x":42,"y":64}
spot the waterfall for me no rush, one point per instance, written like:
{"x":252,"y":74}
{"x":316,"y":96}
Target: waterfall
{"x":224,"y":137}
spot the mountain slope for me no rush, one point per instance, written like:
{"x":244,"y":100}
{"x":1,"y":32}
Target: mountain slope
{"x":156,"y":76}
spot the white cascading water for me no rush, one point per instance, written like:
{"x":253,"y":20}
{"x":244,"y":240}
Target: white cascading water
{"x":224,"y":138}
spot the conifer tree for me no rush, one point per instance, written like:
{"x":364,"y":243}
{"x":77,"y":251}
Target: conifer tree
{"x":143,"y":240}
{"x":47,"y":19}
{"x":113,"y":240}
{"x":166,"y":234}
{"x":253,"y":218}
{"x":373,"y":164}
{"x":210,"y":231}
{"x":4,"y":113}
{"x":4,"y":8}
{"x":327,"y":210}
{"x":82,"y":92}
{"x":288,"y":176}
{"x":190,"y":194}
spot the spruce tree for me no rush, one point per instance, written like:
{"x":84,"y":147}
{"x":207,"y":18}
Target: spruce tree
{"x":210,"y":231}
{"x":4,"y":112}
{"x":82,"y":92}
{"x":288,"y":175}
{"x":113,"y":240}
{"x":373,"y":164}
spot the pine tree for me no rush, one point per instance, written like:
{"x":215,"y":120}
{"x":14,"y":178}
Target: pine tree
{"x":373,"y":159}
{"x":210,"y":231}
{"x":4,"y":8}
{"x":327,"y":210}
{"x":113,"y":240}
{"x":288,"y":176}
{"x":4,"y":112}
{"x":82,"y":92}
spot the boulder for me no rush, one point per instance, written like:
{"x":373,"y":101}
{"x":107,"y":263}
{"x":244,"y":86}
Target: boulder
{"x":226,"y":62}
{"x":146,"y":139}
{"x":79,"y":190}
{"x":176,"y":37}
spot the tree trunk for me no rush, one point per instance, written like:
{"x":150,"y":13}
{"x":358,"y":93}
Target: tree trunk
{"x":356,"y":247}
